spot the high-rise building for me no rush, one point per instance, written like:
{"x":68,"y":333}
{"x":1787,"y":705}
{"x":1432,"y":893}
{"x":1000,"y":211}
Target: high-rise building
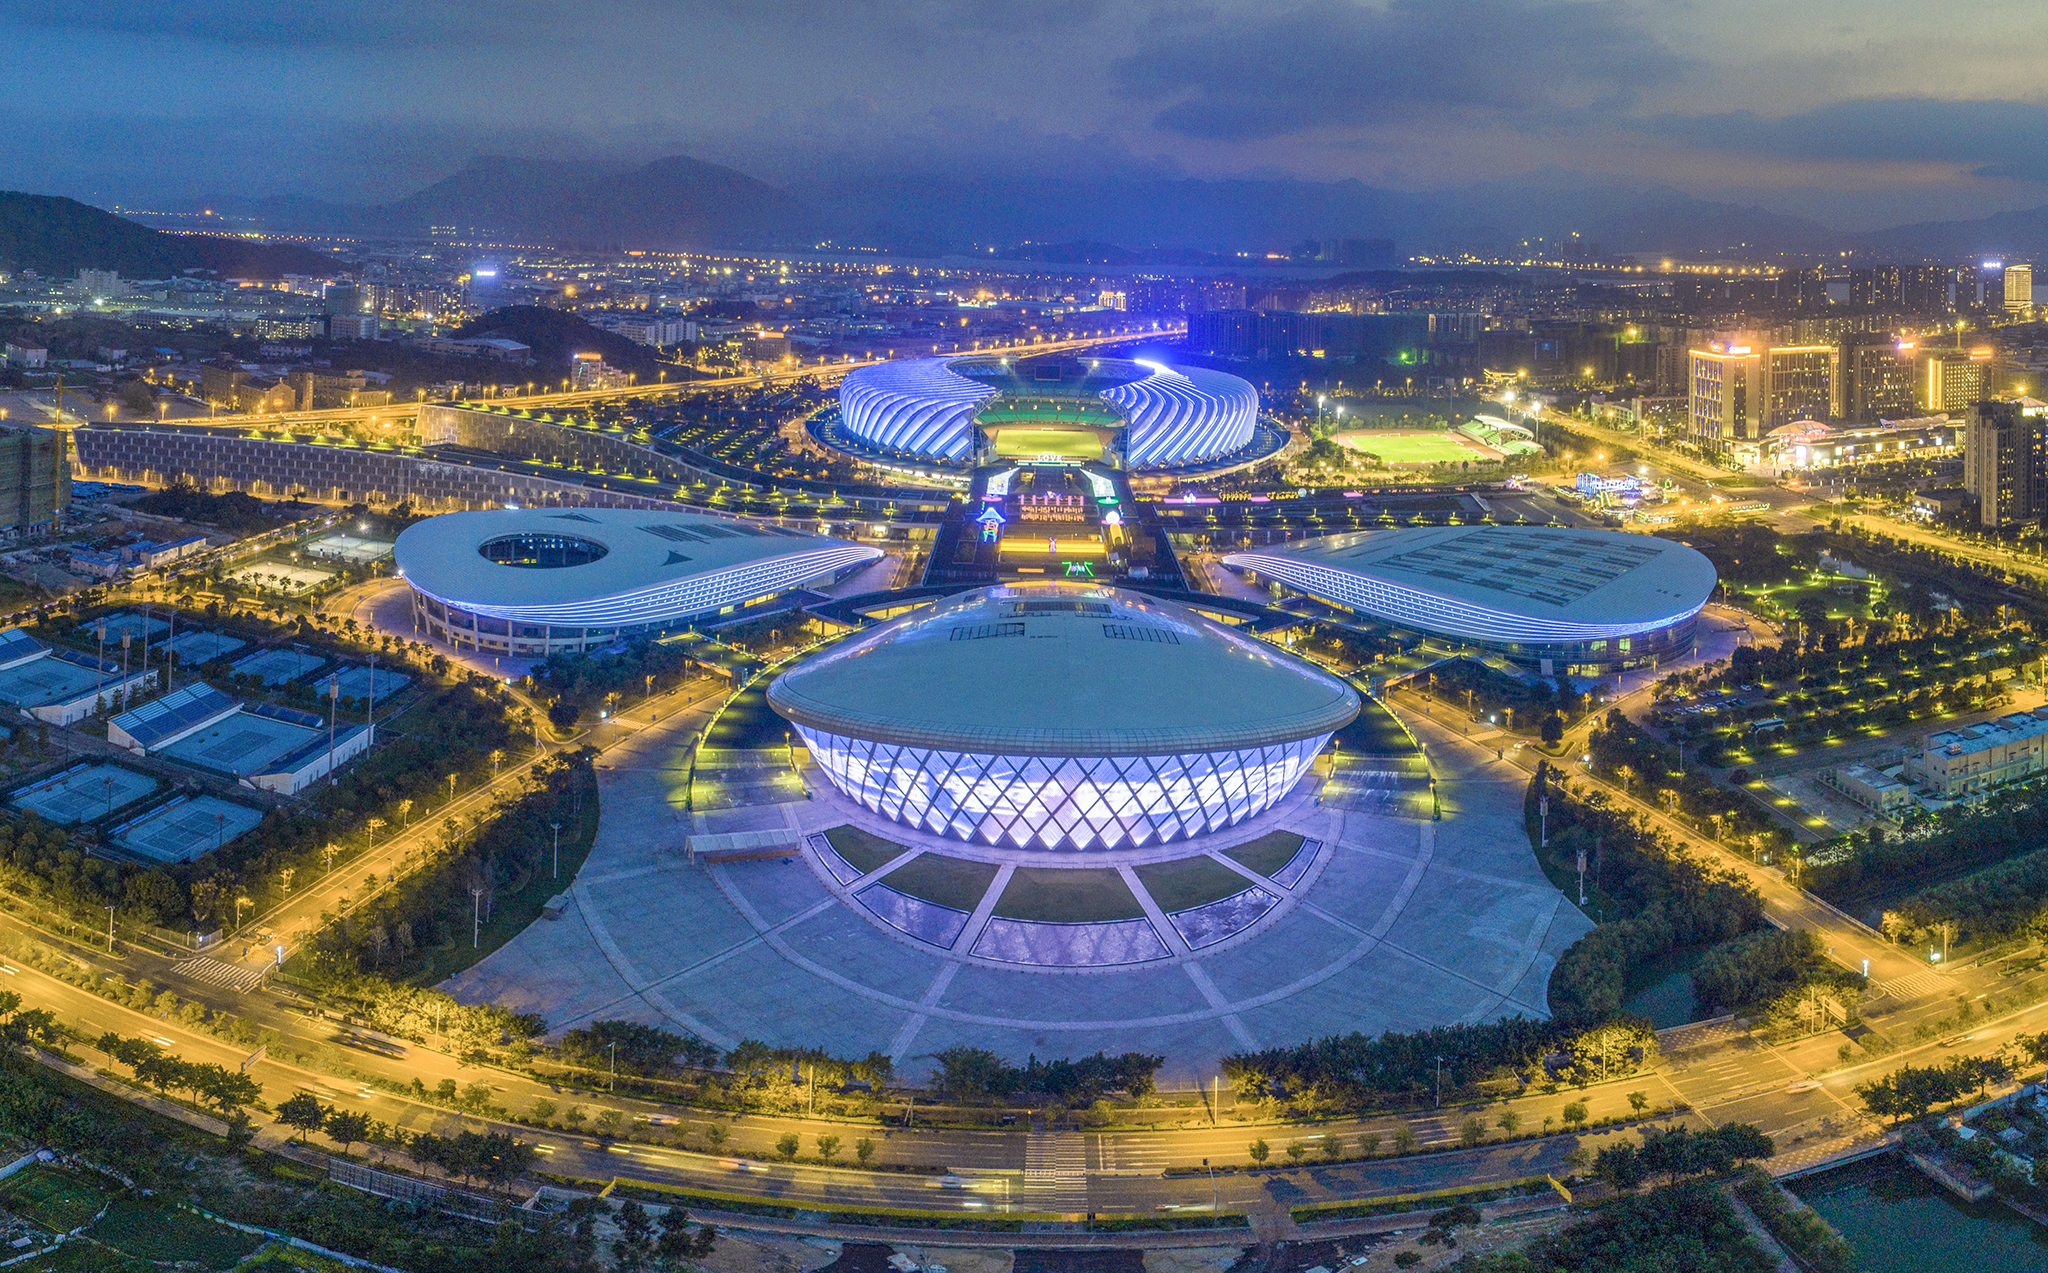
{"x":1879,"y":378}
{"x":35,"y":478}
{"x":1876,"y":286}
{"x":1727,"y":395}
{"x":2019,"y":288}
{"x":2003,"y":463}
{"x":1803,"y":384}
{"x":1953,"y":379}
{"x":1924,"y":289}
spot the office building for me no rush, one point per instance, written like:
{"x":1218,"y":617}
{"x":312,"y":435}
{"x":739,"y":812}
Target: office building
{"x":35,"y":478}
{"x":1740,"y":391}
{"x":2019,"y":289}
{"x":1953,"y":379}
{"x":1965,"y":763}
{"x":2003,"y":463}
{"x":1879,"y":379}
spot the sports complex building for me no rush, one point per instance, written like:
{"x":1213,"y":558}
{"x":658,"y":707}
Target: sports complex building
{"x":1060,"y":716}
{"x":972,"y":410}
{"x":1556,"y":599}
{"x":530,"y":582}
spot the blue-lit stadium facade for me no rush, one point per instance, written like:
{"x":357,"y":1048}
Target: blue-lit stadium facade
{"x":531,"y":582}
{"x":1558,"y":600}
{"x":926,"y":407}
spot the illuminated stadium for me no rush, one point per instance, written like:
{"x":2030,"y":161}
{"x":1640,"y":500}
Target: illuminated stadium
{"x":1584,"y":602}
{"x":970,"y":410}
{"x":528,"y":582}
{"x":1059,"y":716}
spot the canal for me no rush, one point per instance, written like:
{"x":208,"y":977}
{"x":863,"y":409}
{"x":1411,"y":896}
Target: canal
{"x":1902,"y":1222}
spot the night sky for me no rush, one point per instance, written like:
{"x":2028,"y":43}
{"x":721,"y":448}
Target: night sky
{"x":1858,"y":113}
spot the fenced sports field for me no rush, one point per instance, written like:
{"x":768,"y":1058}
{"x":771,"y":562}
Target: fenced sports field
{"x":1416,"y":446}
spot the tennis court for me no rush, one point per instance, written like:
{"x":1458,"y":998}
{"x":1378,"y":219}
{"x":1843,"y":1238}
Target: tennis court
{"x":183,"y":829}
{"x":119,"y":625}
{"x":279,"y":666}
{"x":350,"y":548}
{"x":356,"y":682}
{"x":278,"y":576}
{"x":48,"y":680}
{"x":200,"y":646}
{"x":242,"y":744}
{"x":1412,"y":446}
{"x":82,"y":794}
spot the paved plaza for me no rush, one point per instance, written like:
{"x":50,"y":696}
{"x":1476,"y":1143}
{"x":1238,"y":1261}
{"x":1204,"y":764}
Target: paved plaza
{"x":1400,"y":924}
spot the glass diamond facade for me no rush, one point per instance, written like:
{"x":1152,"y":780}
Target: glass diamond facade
{"x":1061,"y":802}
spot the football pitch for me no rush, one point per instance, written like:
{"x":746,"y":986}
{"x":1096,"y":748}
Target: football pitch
{"x":1417,"y":446}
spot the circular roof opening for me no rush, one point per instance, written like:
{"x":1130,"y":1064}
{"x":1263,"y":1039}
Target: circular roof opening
{"x":535,"y":551}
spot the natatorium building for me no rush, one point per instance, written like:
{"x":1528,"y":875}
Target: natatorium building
{"x":530,"y":582}
{"x":1061,"y":716}
{"x":1555,"y":599}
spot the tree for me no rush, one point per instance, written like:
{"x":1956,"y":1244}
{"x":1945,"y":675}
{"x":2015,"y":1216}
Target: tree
{"x":864,"y":1149}
{"x":1405,"y":1139}
{"x":1508,"y":1122}
{"x":1553,"y":729}
{"x":1638,"y":1102}
{"x":154,"y":896}
{"x":677,"y":1243}
{"x":1259,"y":1150}
{"x":828,"y":1147}
{"x":1333,"y":1146}
{"x":1296,"y":1150}
{"x":788,"y":1145}
{"x":543,"y":1109}
{"x":303,"y":1112}
{"x":1471,"y":1132}
{"x":1574,"y":1115}
{"x":1620,"y":1166}
{"x":345,"y":1128}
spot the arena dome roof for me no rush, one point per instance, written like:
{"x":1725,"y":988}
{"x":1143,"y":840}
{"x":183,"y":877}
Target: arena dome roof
{"x":1060,"y":669}
{"x":608,"y":566}
{"x":1499,"y":583}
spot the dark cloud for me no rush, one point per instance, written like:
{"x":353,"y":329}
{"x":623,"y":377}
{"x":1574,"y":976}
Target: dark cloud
{"x":1334,"y":64}
{"x":1992,"y":138}
{"x":350,"y":24}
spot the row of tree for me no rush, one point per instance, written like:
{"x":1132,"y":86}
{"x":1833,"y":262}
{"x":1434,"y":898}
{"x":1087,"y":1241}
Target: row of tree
{"x":1911,"y":1090}
{"x":1680,"y":1151}
{"x":974,"y":1072}
{"x":224,"y":1089}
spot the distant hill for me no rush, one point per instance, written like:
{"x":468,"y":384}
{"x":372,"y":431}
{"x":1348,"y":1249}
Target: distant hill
{"x":58,"y":237}
{"x":674,"y":204}
{"x":2021,"y":235}
{"x":555,"y":337}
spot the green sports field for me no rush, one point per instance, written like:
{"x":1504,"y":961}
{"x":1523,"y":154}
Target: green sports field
{"x":1419,"y":446}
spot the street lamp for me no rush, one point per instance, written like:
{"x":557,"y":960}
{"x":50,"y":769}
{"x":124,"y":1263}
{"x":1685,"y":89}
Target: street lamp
{"x":558,"y":848}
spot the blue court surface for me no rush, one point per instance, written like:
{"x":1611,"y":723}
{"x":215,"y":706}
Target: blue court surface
{"x":82,"y":793}
{"x":350,"y":548}
{"x":279,"y":666}
{"x":355,"y":682}
{"x":48,"y":680}
{"x":126,"y":623}
{"x":200,"y":646}
{"x":184,"y":829}
{"x":243,"y":744}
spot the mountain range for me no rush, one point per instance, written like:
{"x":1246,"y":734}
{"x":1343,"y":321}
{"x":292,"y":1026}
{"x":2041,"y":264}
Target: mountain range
{"x":58,"y":237}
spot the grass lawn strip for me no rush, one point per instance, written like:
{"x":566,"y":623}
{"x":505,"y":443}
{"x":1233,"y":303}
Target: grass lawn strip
{"x":1375,"y":733}
{"x":153,"y":1230}
{"x":513,"y":911}
{"x":1190,"y":882}
{"x":1420,"y":446}
{"x":1266,"y":854}
{"x":1055,"y":896}
{"x":863,"y":852}
{"x":57,"y":1199}
{"x":945,"y":881}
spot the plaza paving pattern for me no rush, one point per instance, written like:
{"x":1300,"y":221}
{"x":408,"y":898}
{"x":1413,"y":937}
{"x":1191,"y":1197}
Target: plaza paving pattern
{"x":1401,"y":924}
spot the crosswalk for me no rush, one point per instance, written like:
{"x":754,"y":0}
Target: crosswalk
{"x":219,"y":973}
{"x":1056,"y":1171}
{"x":1914,"y":986}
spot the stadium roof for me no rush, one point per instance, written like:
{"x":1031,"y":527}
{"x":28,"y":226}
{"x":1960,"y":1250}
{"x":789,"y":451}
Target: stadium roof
{"x":1058,"y":669}
{"x":627,"y":565}
{"x":1599,"y":578}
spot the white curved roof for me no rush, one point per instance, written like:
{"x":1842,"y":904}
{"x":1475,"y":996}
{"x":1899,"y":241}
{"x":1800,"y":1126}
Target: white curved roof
{"x":1173,"y":416}
{"x":913,"y":404}
{"x":1500,"y":583}
{"x":1059,"y":669}
{"x":657,"y":564}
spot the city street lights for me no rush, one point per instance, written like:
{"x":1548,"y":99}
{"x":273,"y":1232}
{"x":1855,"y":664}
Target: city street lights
{"x":613,"y":1086}
{"x":558,"y":848}
{"x":476,"y":917}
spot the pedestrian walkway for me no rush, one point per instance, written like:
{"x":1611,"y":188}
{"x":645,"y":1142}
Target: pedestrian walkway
{"x":1056,"y":1172}
{"x":1918,"y":985}
{"x":217,"y":973}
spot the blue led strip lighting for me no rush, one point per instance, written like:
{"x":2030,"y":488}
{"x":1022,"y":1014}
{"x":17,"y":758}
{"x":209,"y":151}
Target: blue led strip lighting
{"x":694,"y":595}
{"x":1061,"y":802}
